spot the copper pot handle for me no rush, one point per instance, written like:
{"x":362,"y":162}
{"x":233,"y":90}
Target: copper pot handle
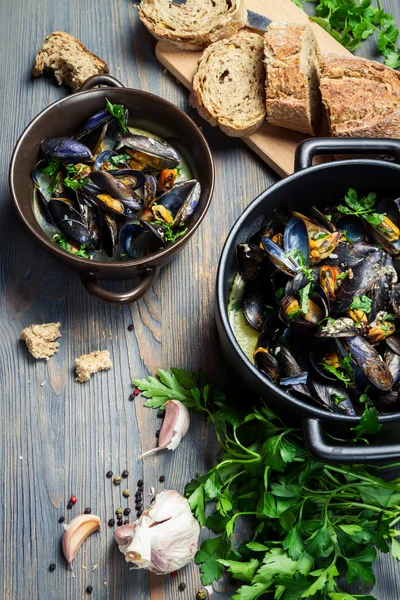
{"x":120,"y":298}
{"x":96,"y":80}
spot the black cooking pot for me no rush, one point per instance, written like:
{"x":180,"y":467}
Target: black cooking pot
{"x":312,"y":185}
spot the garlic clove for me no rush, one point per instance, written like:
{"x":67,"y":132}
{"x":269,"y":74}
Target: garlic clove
{"x":76,"y":533}
{"x":174,"y":428}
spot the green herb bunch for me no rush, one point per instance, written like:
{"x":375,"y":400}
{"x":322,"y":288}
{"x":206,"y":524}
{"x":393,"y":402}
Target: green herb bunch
{"x":351,"y":22}
{"x":311,"y":522}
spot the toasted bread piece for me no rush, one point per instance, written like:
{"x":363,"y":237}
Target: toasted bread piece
{"x":88,"y":364}
{"x":71,"y":62}
{"x":195,"y":24}
{"x":229,"y":86}
{"x":361,"y":97}
{"x":40,"y":339}
{"x":292,"y":83}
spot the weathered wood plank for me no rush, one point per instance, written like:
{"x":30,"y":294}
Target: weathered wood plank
{"x":60,"y":438}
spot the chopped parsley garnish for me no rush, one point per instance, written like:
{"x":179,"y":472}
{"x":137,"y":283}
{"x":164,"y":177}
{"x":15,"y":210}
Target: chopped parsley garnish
{"x":51,"y":171}
{"x":120,"y":159}
{"x":62,"y":241}
{"x":342,"y":276}
{"x":345,"y":373}
{"x":169,"y":233}
{"x":117,"y":111}
{"x":338,"y":399}
{"x":304,"y":297}
{"x":75,"y":184}
{"x":357,"y":206}
{"x":364,"y":303}
{"x":280,"y":292}
{"x":321,"y":236}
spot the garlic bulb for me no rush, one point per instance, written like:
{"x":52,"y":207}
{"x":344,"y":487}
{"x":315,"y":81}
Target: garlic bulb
{"x":164,"y":539}
{"x":174,"y":428}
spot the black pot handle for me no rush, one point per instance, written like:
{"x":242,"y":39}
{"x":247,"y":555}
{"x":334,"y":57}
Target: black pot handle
{"x":325,"y":451}
{"x":307,"y":149}
{"x":96,"y":80}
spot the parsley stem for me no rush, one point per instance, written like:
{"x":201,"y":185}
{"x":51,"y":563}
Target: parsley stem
{"x":371,"y":480}
{"x":350,"y":504}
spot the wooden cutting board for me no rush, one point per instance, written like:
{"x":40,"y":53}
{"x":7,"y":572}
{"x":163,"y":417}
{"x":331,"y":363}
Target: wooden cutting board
{"x":274,"y":145}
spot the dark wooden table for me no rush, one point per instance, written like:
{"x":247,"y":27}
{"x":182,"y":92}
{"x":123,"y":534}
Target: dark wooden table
{"x":59,"y":437}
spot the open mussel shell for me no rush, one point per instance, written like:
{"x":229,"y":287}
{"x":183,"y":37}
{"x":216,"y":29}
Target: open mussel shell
{"x":304,"y":324}
{"x":99,"y":119}
{"x":110,"y":234}
{"x":253,"y":307}
{"x":154,"y":154}
{"x":349,"y":255}
{"x":299,"y":282}
{"x":149,"y":189}
{"x":43,"y":205}
{"x":278,"y":257}
{"x":295,"y":241}
{"x":189,"y":205}
{"x":91,"y":219}
{"x":134,"y":240}
{"x":393,"y":343}
{"x":321,"y":219}
{"x":270,"y":330}
{"x":69,"y":222}
{"x":111,"y":186}
{"x":267,"y":364}
{"x":370,"y":362}
{"x":388,"y":401}
{"x":365,"y":274}
{"x":392,"y":360}
{"x":102,"y":162}
{"x":395,"y":299}
{"x":66,"y":149}
{"x":338,"y":328}
{"x":324,"y":351}
{"x":132,"y":178}
{"x":332,"y":397}
{"x":106,"y":202}
{"x":381,"y":291}
{"x":393,"y":247}
{"x":353,"y":228}
{"x":252,"y":262}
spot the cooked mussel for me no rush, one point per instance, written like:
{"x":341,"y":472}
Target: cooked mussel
{"x":252,"y":262}
{"x":307,"y":322}
{"x":267,"y":364}
{"x":66,"y":149}
{"x":332,"y":397}
{"x":116,"y":190}
{"x":147,"y":152}
{"x":149,"y":189}
{"x":69,"y":221}
{"x":365,"y":274}
{"x":370,"y":362}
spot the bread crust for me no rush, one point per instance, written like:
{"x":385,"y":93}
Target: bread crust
{"x":361,"y":97}
{"x":71,"y":62}
{"x":291,"y":61}
{"x":194,"y":25}
{"x":228,"y":88}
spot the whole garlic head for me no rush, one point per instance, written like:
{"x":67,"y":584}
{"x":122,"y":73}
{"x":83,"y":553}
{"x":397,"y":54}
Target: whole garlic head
{"x":164,"y":539}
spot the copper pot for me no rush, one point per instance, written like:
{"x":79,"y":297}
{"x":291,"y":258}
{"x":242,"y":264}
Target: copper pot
{"x":147,"y":111}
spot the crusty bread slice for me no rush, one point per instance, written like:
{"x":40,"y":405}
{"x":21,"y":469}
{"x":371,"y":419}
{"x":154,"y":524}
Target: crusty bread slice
{"x":71,"y":62}
{"x":228,"y":88}
{"x":361,"y":97}
{"x":195,"y":24}
{"x":292,"y":90}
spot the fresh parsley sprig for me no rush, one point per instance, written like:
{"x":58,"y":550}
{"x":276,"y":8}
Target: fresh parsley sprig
{"x":364,"y":303}
{"x":310,"y":520}
{"x":63,"y":242}
{"x":171,"y":235}
{"x":117,"y":111}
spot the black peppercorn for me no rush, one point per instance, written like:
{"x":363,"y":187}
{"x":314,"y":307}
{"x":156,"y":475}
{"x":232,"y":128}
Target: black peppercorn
{"x":140,"y":483}
{"x":61,"y":519}
{"x":89,"y":589}
{"x":119,"y":522}
{"x":138,"y":495}
{"x":109,"y":474}
{"x":139,"y":513}
{"x":126,"y":521}
{"x":161,"y":414}
{"x":140,"y":489}
{"x":138,"y":506}
{"x":111,"y":522}
{"x":69,"y":505}
{"x":132,"y":397}
{"x":127,"y":511}
{"x":87,"y":511}
{"x":162,"y":478}
{"x":182,"y":587}
{"x":125,"y":474}
{"x":52,"y":567}
{"x":157,"y":433}
{"x":130,"y":327}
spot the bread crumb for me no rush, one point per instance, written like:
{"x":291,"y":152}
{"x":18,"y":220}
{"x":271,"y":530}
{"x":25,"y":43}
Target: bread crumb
{"x":88,"y":364}
{"x":95,"y":567}
{"x":40,"y":339}
{"x":68,"y":58}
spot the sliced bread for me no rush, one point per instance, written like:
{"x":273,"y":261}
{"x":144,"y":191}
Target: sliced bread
{"x":292,"y":92}
{"x":71,"y":62}
{"x":361,"y":97}
{"x":195,"y":24}
{"x":228,"y":88}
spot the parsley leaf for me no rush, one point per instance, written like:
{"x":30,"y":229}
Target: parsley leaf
{"x":208,"y":555}
{"x":120,"y":159}
{"x":170,"y":234}
{"x":75,"y":184}
{"x":117,"y":111}
{"x":364,"y":303}
{"x":304,"y":296}
{"x":369,"y":424}
{"x":63,"y":242}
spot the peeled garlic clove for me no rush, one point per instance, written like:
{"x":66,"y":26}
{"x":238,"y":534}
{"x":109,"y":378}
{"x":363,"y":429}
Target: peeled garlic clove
{"x":76,"y":533}
{"x":164,"y":539}
{"x":174,"y":428}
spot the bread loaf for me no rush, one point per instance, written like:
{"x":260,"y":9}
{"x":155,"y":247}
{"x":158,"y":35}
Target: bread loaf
{"x":71,"y":62}
{"x":361,"y":97}
{"x":292,"y":93}
{"x":194,"y":24}
{"x":229,"y":86}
